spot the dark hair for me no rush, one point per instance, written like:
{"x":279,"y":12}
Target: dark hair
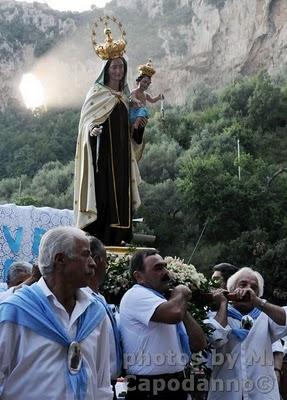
{"x":226,"y":270}
{"x":140,"y":77}
{"x":97,"y":247}
{"x":106,"y":73}
{"x":137,"y":261}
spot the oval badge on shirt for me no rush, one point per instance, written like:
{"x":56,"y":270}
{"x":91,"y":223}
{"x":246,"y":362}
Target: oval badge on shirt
{"x":74,"y":358}
{"x":247,"y":322}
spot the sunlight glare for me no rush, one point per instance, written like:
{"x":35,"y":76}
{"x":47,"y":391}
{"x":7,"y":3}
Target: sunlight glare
{"x":32,"y":91}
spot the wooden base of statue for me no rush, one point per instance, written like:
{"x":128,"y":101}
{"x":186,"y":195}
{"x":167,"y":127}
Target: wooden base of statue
{"x":121,"y":250}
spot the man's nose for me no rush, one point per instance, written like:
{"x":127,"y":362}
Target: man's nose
{"x":92,"y":262}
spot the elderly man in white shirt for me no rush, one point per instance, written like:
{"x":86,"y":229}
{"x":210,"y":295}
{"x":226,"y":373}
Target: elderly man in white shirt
{"x":54,"y":338}
{"x":242,"y":359}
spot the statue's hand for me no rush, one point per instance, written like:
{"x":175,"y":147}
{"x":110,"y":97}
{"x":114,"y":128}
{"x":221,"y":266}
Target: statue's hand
{"x":97,"y":130}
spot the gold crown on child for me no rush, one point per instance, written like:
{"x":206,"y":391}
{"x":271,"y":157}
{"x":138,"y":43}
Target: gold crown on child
{"x":147,"y":69}
{"x":111,"y":48}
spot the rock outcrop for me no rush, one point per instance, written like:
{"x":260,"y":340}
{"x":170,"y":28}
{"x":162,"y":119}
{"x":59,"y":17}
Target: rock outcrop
{"x":189,"y":41}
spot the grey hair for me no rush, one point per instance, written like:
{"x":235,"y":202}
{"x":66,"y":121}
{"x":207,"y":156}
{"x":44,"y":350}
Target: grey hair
{"x":232,"y":281}
{"x":18,"y":267}
{"x":57,"y":240}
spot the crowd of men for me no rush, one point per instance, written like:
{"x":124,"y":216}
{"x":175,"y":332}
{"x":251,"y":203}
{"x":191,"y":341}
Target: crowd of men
{"x":60,"y":340}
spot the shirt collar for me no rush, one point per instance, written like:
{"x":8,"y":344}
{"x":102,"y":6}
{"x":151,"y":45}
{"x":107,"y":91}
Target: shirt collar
{"x":83,"y":298}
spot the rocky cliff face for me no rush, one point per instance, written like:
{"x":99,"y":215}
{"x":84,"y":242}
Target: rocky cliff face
{"x":217,"y":40}
{"x":27,"y":31}
{"x":189,"y":41}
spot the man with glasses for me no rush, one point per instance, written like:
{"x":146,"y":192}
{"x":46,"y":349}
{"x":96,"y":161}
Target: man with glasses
{"x":242,"y":337}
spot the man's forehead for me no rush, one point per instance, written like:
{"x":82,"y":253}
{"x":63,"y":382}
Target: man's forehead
{"x":154,"y":259}
{"x":248,"y":277}
{"x":216,"y":274}
{"x":82,"y":242}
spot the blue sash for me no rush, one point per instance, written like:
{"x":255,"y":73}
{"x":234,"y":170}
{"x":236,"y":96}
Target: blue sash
{"x":241,"y":333}
{"x":180,"y":330}
{"x":116,"y":331}
{"x":137,"y":112}
{"x":30,"y":308}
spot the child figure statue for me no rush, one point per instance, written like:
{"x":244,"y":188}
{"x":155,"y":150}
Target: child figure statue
{"x":138,"y":99}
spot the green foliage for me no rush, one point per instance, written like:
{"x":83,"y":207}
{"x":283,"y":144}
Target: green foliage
{"x":160,"y":161}
{"x":161,"y":210}
{"x":247,"y":249}
{"x":28,"y":141}
{"x":264,"y":104}
{"x":52,"y":186}
{"x":189,"y":170}
{"x":203,"y":97}
{"x":28,"y":201}
{"x":273,"y":266}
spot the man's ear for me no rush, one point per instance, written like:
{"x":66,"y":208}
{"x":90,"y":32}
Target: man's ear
{"x":97,"y":259}
{"x":137,"y":275}
{"x":60,"y":260}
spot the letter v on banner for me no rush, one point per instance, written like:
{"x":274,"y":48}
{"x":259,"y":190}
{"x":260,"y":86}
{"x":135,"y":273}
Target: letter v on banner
{"x":38,"y":233}
{"x":14,"y":243}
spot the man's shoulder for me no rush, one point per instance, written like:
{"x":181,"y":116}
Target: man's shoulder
{"x":132,"y":294}
{"x":140,"y":297}
{"x":136,"y":290}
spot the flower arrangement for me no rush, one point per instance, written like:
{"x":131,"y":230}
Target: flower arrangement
{"x":184,"y":274}
{"x":118,"y":279}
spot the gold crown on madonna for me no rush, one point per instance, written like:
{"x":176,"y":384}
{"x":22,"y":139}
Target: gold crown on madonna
{"x":111,"y":48}
{"x":147,"y":69}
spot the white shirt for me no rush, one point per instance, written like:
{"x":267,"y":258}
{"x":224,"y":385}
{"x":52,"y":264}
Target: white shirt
{"x":33,"y":367}
{"x":7,"y":293}
{"x":244,"y":370}
{"x":113,"y":351}
{"x":284,"y":344}
{"x":277,"y":347}
{"x":3,"y":286}
{"x":150,"y":348}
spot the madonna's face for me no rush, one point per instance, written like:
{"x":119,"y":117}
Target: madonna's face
{"x":116,"y":70}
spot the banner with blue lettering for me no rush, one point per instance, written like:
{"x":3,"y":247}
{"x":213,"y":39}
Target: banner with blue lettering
{"x":21,"y":229}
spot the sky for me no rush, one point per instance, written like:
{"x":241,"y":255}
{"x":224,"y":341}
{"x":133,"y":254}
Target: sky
{"x":73,"y":5}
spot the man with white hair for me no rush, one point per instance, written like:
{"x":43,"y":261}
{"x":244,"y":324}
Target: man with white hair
{"x":18,"y":272}
{"x":242,"y":337}
{"x":53,"y":336}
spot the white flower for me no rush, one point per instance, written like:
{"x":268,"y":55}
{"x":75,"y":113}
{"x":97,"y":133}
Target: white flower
{"x":184,"y":273}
